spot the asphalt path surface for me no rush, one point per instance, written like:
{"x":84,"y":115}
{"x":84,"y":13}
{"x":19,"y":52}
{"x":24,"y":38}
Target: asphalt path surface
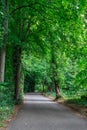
{"x":40,"y":113}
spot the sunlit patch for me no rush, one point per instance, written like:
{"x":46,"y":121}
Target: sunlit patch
{"x":37,"y":99}
{"x":38,"y":102}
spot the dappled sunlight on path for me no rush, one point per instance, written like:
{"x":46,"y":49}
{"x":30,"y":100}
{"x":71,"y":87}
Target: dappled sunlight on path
{"x":35,"y":99}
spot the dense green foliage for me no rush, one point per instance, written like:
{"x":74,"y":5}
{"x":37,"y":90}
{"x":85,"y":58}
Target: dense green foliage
{"x":46,"y":49}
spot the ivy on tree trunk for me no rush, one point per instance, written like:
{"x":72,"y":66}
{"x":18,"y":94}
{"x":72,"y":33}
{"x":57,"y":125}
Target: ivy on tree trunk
{"x":17,"y":70}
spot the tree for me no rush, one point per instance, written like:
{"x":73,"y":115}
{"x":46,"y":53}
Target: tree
{"x":4,"y":40}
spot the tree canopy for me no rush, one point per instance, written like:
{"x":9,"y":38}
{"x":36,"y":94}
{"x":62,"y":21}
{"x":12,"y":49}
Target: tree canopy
{"x":45,"y":42}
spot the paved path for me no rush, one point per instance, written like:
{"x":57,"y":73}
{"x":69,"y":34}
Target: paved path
{"x":40,"y":113}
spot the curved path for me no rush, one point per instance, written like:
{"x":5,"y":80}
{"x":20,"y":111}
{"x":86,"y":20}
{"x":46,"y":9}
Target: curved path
{"x":40,"y":113}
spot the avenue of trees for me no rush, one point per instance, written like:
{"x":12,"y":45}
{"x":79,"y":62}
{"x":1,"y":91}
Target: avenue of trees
{"x":43,"y":44}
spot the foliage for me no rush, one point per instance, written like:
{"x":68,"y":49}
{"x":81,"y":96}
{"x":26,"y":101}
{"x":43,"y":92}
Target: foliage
{"x":52,"y":37}
{"x":37,"y":71}
{"x":5,"y":94}
{"x":6,"y":102}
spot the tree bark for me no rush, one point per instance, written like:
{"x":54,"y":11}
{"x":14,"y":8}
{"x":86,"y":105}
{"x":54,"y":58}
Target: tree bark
{"x":17,"y":71}
{"x":54,"y":72}
{"x":43,"y":86}
{"x":3,"y":48}
{"x":57,"y":90}
{"x":2,"y":63}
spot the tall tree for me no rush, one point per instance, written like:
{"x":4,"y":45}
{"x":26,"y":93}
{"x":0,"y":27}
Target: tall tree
{"x":3,"y":46}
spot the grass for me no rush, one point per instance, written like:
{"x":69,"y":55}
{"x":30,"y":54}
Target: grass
{"x":2,"y":124}
{"x":70,"y":99}
{"x":5,"y":114}
{"x":50,"y":94}
{"x":79,"y":101}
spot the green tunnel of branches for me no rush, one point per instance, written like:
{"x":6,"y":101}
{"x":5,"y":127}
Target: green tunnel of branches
{"x":43,"y":48}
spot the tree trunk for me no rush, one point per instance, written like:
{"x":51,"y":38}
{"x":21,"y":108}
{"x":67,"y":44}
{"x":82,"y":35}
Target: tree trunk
{"x":43,"y":87}
{"x":3,"y":48}
{"x":54,"y":72}
{"x":2,"y":63}
{"x":57,"y":90}
{"x":17,"y":71}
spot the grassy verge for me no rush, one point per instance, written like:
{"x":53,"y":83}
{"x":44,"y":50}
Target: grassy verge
{"x":78,"y":101}
{"x":52,"y":94}
{"x":73,"y":99}
{"x":5,"y":113}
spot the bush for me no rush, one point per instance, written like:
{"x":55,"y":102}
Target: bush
{"x":6,"y":94}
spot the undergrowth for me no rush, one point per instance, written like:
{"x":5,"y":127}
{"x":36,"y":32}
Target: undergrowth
{"x":70,"y":99}
{"x":6,"y":102}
